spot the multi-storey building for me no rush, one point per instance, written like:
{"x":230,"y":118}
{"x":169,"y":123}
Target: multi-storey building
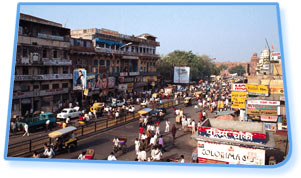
{"x":43,"y":68}
{"x":129,"y":59}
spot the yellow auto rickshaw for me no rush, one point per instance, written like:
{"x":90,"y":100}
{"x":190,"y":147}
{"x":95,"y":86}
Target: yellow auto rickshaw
{"x":97,"y":106}
{"x":63,"y":139}
{"x":197,"y":94}
{"x":187,"y":101}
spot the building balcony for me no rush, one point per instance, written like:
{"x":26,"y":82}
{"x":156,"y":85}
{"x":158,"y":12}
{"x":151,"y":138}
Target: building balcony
{"x":29,"y":94}
{"x":43,"y":77}
{"x":43,"y":40}
{"x":119,"y":52}
{"x":35,"y":60}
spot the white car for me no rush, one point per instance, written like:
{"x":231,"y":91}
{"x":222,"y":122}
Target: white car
{"x":69,"y":112}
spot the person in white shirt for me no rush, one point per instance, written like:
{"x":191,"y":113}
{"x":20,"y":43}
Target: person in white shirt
{"x":143,"y":136}
{"x":26,"y":130}
{"x":116,"y":115}
{"x":193,"y":127}
{"x":82,"y":156}
{"x":157,"y":130}
{"x":116,"y":142}
{"x":153,"y":150}
{"x":112,"y":157}
{"x":49,"y":153}
{"x":167,"y":123}
{"x":158,"y":154}
{"x":182,"y":160}
{"x":141,"y":155}
{"x":137,"y":145}
{"x":90,"y":115}
{"x":177,"y":112}
{"x":47,"y":125}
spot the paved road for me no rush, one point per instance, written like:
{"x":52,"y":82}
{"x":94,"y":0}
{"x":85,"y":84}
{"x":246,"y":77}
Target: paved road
{"x":102,"y":143}
{"x":17,"y":138}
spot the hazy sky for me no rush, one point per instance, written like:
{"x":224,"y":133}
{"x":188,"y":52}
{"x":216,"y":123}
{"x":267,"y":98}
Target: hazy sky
{"x":224,"y":32}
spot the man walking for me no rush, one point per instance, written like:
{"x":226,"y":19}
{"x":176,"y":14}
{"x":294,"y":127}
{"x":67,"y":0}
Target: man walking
{"x":26,"y":130}
{"x":167,"y":123}
{"x":173,"y":132}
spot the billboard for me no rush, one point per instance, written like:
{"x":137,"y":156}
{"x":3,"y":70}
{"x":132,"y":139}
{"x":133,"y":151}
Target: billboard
{"x":239,"y":87}
{"x":261,"y":90}
{"x":181,"y":75}
{"x":238,"y":99}
{"x":231,"y":154}
{"x":79,"y":79}
{"x":263,"y":107}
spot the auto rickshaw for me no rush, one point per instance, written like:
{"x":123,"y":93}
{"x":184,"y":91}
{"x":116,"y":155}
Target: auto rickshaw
{"x":145,"y":112}
{"x":187,"y":101}
{"x":143,"y":104}
{"x":63,"y":139}
{"x":97,"y":106}
{"x":197,"y":94}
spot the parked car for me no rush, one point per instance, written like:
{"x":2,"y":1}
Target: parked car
{"x":38,"y":119}
{"x":69,"y":112}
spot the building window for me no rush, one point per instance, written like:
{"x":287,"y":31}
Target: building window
{"x":65,"y":54}
{"x":55,"y":86}
{"x":117,"y":69}
{"x":45,"y":87}
{"x":55,"y":54}
{"x":65,"y":85}
{"x":36,"y":87}
{"x":55,"y":70}
{"x":65,"y":70}
{"x":25,"y":71}
{"x":44,"y":70}
{"x":44,"y":53}
{"x":25,"y":88}
{"x":113,"y":69}
{"x":85,"y":44}
{"x":102,"y":62}
{"x":24,"y":52}
{"x":108,"y":65}
{"x":95,"y":63}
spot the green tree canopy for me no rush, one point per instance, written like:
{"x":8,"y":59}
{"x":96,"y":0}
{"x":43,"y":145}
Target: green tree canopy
{"x":200,"y":66}
{"x":240,"y":70}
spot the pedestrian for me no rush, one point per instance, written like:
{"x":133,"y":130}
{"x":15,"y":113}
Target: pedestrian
{"x":112,"y":157}
{"x":196,"y":109}
{"x":158,"y":154}
{"x":116,"y":115}
{"x":35,"y":155}
{"x":173,"y":132}
{"x":161,"y":143}
{"x":47,"y":125}
{"x":204,"y":115}
{"x":141,"y":130}
{"x":82,"y":156}
{"x":157,"y":130}
{"x":137,"y":145}
{"x":182,"y":160}
{"x":13,"y":127}
{"x":167,"y":123}
{"x":201,"y":116}
{"x":194,"y":156}
{"x":141,"y":155}
{"x":193,"y":127}
{"x":25,"y":127}
{"x":95,"y":114}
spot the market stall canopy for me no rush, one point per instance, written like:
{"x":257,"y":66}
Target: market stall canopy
{"x":61,"y":132}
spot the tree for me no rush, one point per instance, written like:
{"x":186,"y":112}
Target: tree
{"x":200,"y":66}
{"x":240,"y":70}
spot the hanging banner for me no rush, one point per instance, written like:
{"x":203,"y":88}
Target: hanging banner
{"x":238,"y":99}
{"x":261,"y":90}
{"x":231,"y":154}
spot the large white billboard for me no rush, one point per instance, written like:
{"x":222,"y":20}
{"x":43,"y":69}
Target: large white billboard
{"x":231,"y":154}
{"x":181,"y":74}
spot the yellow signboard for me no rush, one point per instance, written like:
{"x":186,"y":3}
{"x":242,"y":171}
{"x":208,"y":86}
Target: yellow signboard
{"x":86,"y":92}
{"x":257,"y":89}
{"x":238,"y":99}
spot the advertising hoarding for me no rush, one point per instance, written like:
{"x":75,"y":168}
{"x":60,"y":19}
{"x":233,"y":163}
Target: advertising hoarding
{"x":261,"y":90}
{"x":181,"y":74}
{"x":231,"y":154}
{"x":79,"y":79}
{"x":263,"y":107}
{"x":239,"y":87}
{"x":238,"y":99}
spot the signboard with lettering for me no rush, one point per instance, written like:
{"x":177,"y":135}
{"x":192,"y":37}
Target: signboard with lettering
{"x":277,"y":90}
{"x":263,"y":107}
{"x":239,"y":87}
{"x":238,"y":99}
{"x":231,"y":154}
{"x":232,"y":135}
{"x":261,"y":90}
{"x":122,"y":87}
{"x":269,"y":118}
{"x":181,"y":74}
